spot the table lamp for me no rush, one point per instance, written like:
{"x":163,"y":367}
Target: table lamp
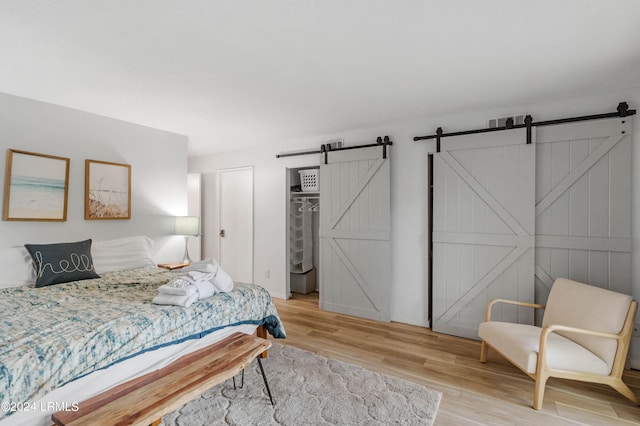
{"x":189,"y":226}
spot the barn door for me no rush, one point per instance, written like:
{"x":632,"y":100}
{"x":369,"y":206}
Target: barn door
{"x":483,"y":229}
{"x":583,"y":204}
{"x":355,"y":244}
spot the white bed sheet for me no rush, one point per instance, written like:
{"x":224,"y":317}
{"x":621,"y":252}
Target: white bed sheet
{"x":39,"y":412}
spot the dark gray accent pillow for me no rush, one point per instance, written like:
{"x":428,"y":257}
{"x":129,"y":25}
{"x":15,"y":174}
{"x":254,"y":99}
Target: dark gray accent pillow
{"x":62,"y":262}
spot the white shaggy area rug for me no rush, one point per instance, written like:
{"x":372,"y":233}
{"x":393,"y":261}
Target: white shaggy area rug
{"x":308,"y":389}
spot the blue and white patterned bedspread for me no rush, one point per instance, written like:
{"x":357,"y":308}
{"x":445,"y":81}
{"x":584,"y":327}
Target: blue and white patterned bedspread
{"x":53,"y":335}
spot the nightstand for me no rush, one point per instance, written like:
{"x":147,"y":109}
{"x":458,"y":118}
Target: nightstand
{"x":173,"y":265}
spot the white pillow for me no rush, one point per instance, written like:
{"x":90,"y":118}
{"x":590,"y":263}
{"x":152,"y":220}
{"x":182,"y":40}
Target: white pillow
{"x":17,"y":267}
{"x":122,"y":253}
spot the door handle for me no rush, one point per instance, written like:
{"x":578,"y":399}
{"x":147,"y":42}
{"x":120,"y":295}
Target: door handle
{"x":222,"y":233}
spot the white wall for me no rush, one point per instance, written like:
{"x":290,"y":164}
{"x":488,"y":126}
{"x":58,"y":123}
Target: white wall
{"x":194,"y":200}
{"x":409,"y":194}
{"x":158,"y":162}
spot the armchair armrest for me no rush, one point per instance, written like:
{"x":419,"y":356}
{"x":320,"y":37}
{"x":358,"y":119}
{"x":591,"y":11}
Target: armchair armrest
{"x":542,"y":348}
{"x":487,"y":316}
{"x":555,"y":327}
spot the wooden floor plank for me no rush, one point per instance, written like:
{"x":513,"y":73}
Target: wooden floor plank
{"x":474,"y":393}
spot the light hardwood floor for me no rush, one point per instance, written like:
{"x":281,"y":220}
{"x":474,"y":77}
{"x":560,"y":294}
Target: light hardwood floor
{"x":495,"y":393}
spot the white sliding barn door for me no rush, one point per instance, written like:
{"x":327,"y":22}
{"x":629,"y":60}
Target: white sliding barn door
{"x":483,"y":229}
{"x":583,"y":204}
{"x":355,"y":243}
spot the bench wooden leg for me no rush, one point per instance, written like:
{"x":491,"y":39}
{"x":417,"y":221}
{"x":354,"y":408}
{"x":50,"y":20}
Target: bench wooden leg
{"x":261,"y":332}
{"x":156,"y":423}
{"x":264,"y":377}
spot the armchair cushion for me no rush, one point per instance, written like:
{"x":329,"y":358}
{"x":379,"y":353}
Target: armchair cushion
{"x":520,"y":343}
{"x":584,"y":306}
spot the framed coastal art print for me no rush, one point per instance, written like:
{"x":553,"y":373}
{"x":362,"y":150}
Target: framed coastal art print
{"x":107,"y":190}
{"x":36,"y":186}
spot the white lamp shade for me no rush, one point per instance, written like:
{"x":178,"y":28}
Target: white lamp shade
{"x":187,"y":225}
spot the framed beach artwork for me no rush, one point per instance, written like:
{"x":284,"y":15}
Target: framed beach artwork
{"x":107,"y":190}
{"x":36,"y":186}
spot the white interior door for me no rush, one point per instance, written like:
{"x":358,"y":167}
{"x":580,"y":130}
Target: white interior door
{"x":236,"y":223}
{"x":483,"y":229}
{"x":583,"y":204}
{"x":355,"y":227}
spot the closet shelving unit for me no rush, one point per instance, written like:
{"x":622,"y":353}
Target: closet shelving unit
{"x":300,"y":230}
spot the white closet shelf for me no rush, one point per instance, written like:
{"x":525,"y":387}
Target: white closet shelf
{"x":301,"y":197}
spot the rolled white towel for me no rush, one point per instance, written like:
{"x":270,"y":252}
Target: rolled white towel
{"x":222,"y":281}
{"x":173,"y":299}
{"x":179,"y":291}
{"x":205,"y":289}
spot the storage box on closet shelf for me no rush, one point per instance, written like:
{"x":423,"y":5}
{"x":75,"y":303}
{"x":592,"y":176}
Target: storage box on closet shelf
{"x":310,"y":180}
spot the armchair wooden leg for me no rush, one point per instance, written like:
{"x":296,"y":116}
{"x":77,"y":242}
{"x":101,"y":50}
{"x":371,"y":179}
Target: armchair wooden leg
{"x":621,"y":387}
{"x":538,"y":393}
{"x":484,"y":350}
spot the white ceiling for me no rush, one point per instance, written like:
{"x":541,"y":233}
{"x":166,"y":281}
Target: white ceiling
{"x":239,"y":73}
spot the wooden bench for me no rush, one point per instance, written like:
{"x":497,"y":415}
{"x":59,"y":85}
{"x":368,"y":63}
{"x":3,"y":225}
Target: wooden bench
{"x":145,"y":399}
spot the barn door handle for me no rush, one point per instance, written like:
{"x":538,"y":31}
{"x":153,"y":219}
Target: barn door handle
{"x":222,"y":233}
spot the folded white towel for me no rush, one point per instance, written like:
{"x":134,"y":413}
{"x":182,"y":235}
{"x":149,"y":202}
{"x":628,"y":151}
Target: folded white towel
{"x":212,"y":267}
{"x":207,"y":265}
{"x":201,"y":276}
{"x":187,"y":290}
{"x":182,"y":281}
{"x":197,"y":265}
{"x":172,"y":299}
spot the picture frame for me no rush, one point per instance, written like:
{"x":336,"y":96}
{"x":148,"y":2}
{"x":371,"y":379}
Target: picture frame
{"x":36,"y":187}
{"x":107,"y":190}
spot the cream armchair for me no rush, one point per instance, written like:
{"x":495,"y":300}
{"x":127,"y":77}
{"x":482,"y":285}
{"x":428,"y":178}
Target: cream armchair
{"x":585,"y":336}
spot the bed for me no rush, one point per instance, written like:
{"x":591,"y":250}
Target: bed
{"x":63,"y":343}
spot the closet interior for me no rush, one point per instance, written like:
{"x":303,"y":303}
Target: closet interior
{"x":304,"y":228}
